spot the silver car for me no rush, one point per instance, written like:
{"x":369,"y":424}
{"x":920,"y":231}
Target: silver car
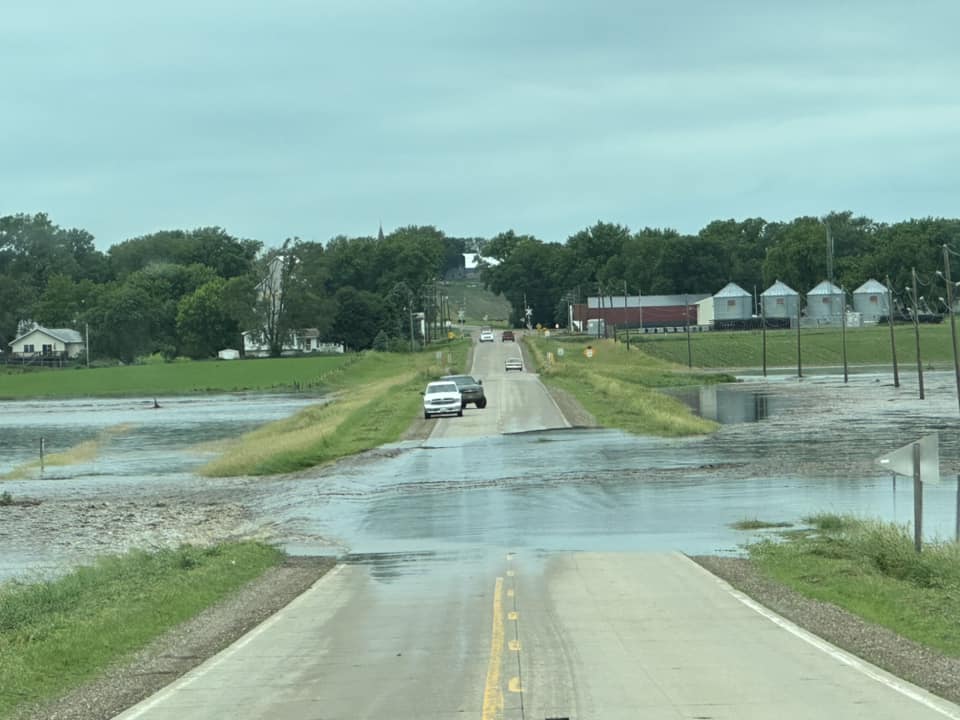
{"x":442,"y":398}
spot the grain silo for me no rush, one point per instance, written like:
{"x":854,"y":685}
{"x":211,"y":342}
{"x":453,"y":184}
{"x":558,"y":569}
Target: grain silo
{"x":732,"y":303}
{"x":872,"y":301}
{"x":780,"y":301}
{"x":826,"y":303}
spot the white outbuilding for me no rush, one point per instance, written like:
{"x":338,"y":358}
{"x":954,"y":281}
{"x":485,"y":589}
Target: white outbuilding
{"x":826,"y":303}
{"x":780,"y":301}
{"x":872,"y":301}
{"x":732,"y":303}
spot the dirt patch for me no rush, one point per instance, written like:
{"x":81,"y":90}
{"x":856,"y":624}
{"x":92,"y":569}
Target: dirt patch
{"x":185,"y":646}
{"x":904,"y":658}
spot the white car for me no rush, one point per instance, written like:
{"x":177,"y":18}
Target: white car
{"x":486,"y":335}
{"x":442,"y":398}
{"x":513,"y":364}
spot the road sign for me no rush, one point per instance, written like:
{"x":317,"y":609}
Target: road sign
{"x":900,"y":461}
{"x":588,"y":353}
{"x":560,"y":352}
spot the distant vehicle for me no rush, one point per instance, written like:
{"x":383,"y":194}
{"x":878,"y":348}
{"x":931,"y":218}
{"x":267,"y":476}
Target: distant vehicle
{"x":442,"y":398}
{"x":507,"y":336}
{"x":486,"y":335}
{"x":471,"y":390}
{"x":513,"y":364}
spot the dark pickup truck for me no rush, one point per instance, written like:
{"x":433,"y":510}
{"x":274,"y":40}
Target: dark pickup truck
{"x":471,"y":390}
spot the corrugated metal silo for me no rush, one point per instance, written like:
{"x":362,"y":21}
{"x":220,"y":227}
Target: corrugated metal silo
{"x":872,"y":301}
{"x":732,"y":303}
{"x":825,"y":303}
{"x":780,"y":301}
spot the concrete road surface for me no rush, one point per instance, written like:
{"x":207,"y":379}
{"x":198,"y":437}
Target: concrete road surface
{"x":478,"y":632}
{"x":516,"y":401}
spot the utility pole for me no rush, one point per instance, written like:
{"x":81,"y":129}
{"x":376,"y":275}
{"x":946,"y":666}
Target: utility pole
{"x":763,"y":335}
{"x":843,"y":332}
{"x":626,"y":311}
{"x":953,"y":321}
{"x":87,"y":343}
{"x":916,"y":329}
{"x":799,"y":362}
{"x":893,"y":341}
{"x":686,"y":328}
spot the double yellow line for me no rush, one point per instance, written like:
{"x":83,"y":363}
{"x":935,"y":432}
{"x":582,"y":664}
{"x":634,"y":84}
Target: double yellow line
{"x":492,"y":692}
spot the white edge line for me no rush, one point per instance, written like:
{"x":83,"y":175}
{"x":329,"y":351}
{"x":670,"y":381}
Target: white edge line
{"x":907,"y":689}
{"x":203,"y":668}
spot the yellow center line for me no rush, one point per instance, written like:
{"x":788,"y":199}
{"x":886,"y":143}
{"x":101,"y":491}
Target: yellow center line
{"x":492,"y":692}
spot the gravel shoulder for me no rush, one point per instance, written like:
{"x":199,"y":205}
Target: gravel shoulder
{"x":904,"y":658}
{"x":185,"y":646}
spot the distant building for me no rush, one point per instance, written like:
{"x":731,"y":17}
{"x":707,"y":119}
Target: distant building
{"x":306,"y":340}
{"x":826,"y":303}
{"x":732,"y":303}
{"x":780,"y":301}
{"x":639,"y":310}
{"x":872,"y":301}
{"x":47,"y":343}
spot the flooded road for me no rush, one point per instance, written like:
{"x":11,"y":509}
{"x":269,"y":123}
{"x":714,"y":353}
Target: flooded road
{"x":811,"y":449}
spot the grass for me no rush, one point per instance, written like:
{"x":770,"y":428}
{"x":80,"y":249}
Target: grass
{"x":618,"y":387}
{"x":865,"y":346}
{"x":376,"y":399}
{"x":871,"y":569}
{"x":55,"y":635}
{"x":477,"y":302}
{"x":757,"y":524}
{"x":174,"y":378}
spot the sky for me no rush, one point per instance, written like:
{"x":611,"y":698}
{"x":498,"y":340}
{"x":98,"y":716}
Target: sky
{"x":315,"y":118}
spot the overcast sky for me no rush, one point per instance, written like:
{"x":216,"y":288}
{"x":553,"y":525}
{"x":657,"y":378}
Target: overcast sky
{"x":316,"y":118}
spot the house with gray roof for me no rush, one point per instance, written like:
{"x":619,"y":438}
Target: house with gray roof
{"x":40,"y":342}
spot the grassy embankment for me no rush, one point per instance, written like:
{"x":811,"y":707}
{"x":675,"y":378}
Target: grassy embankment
{"x":871,"y":569}
{"x":376,"y":398}
{"x":280,"y":374}
{"x":865,"y":346}
{"x":619,"y":388}
{"x":57,"y":634}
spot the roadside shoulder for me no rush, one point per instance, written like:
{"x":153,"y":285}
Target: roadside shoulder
{"x":918,"y":664}
{"x":185,"y":646}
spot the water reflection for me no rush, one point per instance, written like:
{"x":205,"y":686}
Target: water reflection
{"x":728,"y":405}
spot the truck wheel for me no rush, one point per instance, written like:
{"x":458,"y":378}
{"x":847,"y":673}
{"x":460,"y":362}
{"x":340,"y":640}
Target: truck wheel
{"x":426,"y":415}
{"x":481,"y":404}
{"x":460,"y":412}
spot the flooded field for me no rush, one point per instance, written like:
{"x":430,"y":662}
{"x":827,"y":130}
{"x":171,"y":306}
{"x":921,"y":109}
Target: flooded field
{"x":787,"y":448}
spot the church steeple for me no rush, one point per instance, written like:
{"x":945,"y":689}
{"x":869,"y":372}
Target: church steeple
{"x":380,"y":233}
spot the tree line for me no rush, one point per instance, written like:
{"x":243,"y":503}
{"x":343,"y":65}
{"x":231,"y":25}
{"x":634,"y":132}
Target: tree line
{"x":610,"y":259}
{"x":192,"y":292}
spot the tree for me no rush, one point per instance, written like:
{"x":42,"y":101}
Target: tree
{"x":358,"y":319}
{"x":205,"y":324}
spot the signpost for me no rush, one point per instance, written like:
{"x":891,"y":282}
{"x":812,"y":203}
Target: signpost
{"x":921,"y":459}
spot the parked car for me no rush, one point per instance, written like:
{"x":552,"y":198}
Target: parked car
{"x":486,"y":335}
{"x":507,"y":336}
{"x":442,"y":397}
{"x":513,"y":363}
{"x":471,"y":390}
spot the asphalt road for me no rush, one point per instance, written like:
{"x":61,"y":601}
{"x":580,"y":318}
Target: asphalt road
{"x":482,"y":632}
{"x":516,"y":401}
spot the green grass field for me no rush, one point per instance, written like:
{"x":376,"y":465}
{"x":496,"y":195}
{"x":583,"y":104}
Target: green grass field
{"x":176,"y":378}
{"x":871,"y":569}
{"x":865,"y":346}
{"x":478,"y":302}
{"x":55,"y":635}
{"x":619,"y":388}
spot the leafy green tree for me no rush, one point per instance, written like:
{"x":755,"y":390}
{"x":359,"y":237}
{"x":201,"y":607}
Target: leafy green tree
{"x":226,"y":255}
{"x":205,"y":324}
{"x":358,"y":319}
{"x":16,"y":298}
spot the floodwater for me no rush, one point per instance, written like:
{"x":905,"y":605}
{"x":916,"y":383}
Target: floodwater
{"x":787,"y":448}
{"x":136,"y":442}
